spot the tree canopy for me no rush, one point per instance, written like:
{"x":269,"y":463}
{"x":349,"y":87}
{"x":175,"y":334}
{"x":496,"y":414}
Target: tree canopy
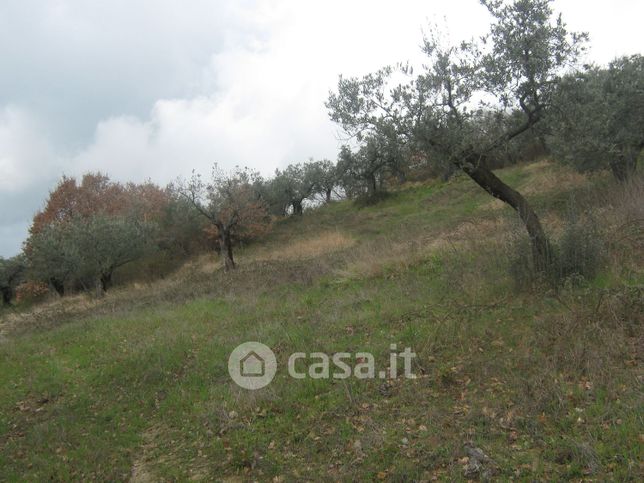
{"x":88,"y":250}
{"x":231,"y":203}
{"x":599,"y":115}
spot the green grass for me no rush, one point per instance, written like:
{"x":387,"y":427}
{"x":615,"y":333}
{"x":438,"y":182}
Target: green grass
{"x":546,"y":384}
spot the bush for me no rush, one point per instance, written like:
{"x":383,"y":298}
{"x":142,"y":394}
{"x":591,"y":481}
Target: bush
{"x":365,"y":200}
{"x":521,"y":264}
{"x":580,"y":250}
{"x":577,"y":256}
{"x":31,"y":292}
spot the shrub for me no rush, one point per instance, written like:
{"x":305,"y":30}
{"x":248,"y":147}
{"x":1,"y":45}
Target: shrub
{"x":364,"y":200}
{"x":521,"y":265}
{"x":31,"y":292}
{"x":577,"y":256}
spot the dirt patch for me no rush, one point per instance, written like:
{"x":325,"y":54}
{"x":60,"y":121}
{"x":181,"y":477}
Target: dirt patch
{"x":142,"y":471}
{"x":145,"y":461}
{"x":148,"y":458}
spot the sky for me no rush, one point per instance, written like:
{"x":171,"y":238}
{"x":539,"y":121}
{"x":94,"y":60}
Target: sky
{"x":152,"y":89}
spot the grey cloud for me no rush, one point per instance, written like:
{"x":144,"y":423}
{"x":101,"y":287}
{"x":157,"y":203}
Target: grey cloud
{"x":16,"y":211}
{"x":75,"y":62}
{"x":11,"y":238}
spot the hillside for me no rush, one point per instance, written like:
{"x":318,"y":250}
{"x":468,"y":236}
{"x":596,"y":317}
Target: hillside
{"x":547,"y":383}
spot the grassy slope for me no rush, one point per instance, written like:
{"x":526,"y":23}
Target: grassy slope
{"x":546,"y":385}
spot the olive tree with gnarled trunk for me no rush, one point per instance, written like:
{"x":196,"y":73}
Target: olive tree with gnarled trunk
{"x":515,"y":69}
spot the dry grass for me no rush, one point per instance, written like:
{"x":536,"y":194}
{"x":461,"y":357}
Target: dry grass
{"x":296,"y":249}
{"x":374,"y":258}
{"x":622,"y":211}
{"x":305,"y":248}
{"x":53,"y":307}
{"x":379,"y":257}
{"x":547,"y":176}
{"x":594,"y":333}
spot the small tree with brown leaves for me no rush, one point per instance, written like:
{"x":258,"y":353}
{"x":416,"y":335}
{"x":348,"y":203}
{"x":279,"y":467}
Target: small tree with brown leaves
{"x":232,"y":205}
{"x":94,"y":193}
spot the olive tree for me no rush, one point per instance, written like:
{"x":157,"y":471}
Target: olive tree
{"x":324,"y":174}
{"x":295,"y":184}
{"x":514,"y":69}
{"x":182,"y":228}
{"x":597,"y":123}
{"x":106,"y":243}
{"x":53,"y":256}
{"x":364,"y":169}
{"x":232,"y":205}
{"x":86,"y":250}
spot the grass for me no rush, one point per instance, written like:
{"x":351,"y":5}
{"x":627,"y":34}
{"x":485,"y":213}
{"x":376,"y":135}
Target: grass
{"x":547,"y":384}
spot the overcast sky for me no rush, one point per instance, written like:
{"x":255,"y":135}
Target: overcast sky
{"x":154,"y":88}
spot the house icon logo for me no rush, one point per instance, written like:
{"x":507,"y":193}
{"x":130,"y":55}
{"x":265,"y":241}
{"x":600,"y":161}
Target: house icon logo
{"x":252,"y":365}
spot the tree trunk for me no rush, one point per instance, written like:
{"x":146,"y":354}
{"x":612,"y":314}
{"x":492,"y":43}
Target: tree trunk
{"x":106,"y":281}
{"x":401,"y":176}
{"x":623,"y":168}
{"x":328,"y":195}
{"x":7,"y":295}
{"x":226,"y":249}
{"x":100,"y":292}
{"x":486,"y":179}
{"x":58,"y":286}
{"x":450,"y":169}
{"x":372,"y":186}
{"x":298,"y":209}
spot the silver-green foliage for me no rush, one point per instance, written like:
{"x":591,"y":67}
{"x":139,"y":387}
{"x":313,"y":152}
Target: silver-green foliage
{"x":87,"y":250}
{"x":599,"y":120}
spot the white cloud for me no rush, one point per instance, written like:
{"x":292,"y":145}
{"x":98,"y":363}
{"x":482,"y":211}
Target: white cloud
{"x":182,"y":135}
{"x":26,"y":156}
{"x":268,"y":109}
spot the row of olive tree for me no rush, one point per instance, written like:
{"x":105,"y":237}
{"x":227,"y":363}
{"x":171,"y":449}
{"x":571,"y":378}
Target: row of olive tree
{"x":91,"y":227}
{"x":291,"y":187}
{"x":239,"y":205}
{"x":470,"y":105}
